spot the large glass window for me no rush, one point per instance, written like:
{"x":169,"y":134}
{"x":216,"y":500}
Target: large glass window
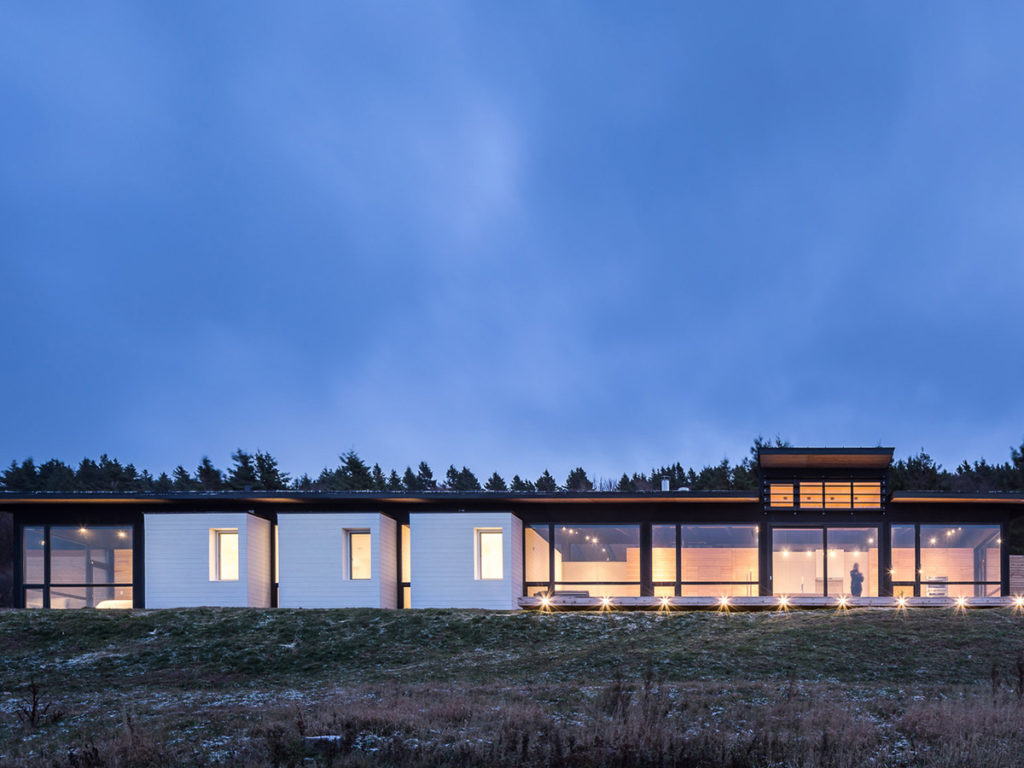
{"x":86,"y":566}
{"x":904,"y":560}
{"x":955,"y":560}
{"x":598,"y":560}
{"x":852,"y":561}
{"x":797,"y":561}
{"x":537,"y":555}
{"x":826,"y":560}
{"x":960,"y":560}
{"x":719,"y":560}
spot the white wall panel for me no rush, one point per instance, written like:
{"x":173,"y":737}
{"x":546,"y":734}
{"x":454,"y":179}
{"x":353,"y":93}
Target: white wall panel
{"x":443,"y":557}
{"x":314,"y":565}
{"x":177,"y":563}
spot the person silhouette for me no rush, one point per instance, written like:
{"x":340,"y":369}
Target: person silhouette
{"x":856,"y":581}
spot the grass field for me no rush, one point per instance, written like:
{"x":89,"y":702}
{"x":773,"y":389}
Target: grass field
{"x":435,"y":688}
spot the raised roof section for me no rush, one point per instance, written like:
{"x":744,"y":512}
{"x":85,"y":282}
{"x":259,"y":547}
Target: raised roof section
{"x":825,"y":458}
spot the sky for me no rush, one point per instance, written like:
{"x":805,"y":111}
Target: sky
{"x":509,"y":236}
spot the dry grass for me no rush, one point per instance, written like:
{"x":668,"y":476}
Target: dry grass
{"x":509,"y":690}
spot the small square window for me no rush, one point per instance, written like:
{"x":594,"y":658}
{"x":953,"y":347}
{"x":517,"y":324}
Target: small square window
{"x":489,"y":554}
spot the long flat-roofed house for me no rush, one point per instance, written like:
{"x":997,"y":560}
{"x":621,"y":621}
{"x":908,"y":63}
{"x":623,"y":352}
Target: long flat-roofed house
{"x":823,"y":524}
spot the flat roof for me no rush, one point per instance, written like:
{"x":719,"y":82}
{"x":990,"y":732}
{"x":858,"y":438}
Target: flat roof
{"x":825,"y":458}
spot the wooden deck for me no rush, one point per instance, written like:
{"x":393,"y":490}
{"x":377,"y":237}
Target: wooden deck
{"x":800,"y":602}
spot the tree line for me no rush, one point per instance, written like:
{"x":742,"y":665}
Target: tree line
{"x":260,"y":471}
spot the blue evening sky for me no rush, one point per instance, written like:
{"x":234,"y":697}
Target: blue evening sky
{"x":511,"y":236}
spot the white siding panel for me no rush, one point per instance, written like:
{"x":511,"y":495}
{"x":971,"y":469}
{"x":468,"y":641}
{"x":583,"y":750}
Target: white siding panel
{"x":443,"y":552}
{"x":178,"y":560}
{"x":258,"y":567}
{"x":388,"y":562}
{"x":314,"y":564}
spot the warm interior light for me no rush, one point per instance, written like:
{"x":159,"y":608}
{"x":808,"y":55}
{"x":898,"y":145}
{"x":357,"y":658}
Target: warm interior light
{"x":932,"y":540}
{"x":82,"y":529}
{"x":122,"y":535}
{"x":785,"y":553}
{"x":831,"y":553}
{"x":871,"y":541}
{"x":808,"y":553}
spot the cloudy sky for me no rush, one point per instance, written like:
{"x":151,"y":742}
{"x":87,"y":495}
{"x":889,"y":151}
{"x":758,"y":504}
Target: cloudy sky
{"x":512,"y":236}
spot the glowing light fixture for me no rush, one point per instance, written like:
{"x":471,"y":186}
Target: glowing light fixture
{"x":122,"y":535}
{"x":1018,"y":602}
{"x":664,"y":602}
{"x":901,"y":602}
{"x":545,"y":601}
{"x":82,"y":529}
{"x":783,"y":603}
{"x":723,"y":603}
{"x":785,"y":553}
{"x":606,"y":602}
{"x":843,"y":602}
{"x":932,"y":540}
{"x":961,"y":602}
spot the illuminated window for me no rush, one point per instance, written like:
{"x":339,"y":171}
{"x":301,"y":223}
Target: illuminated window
{"x":358,"y":555}
{"x":837,"y":496}
{"x":79,"y":566}
{"x":780,"y":494}
{"x":811,"y":495}
{"x":489,"y":563}
{"x":867,"y":495}
{"x":225,"y":548}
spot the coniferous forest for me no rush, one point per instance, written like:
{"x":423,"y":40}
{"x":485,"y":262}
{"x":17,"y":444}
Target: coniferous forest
{"x":260,"y":471}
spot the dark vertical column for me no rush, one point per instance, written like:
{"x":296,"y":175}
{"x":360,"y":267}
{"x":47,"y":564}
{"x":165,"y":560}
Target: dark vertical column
{"x":917,"y":560}
{"x":47,"y":548}
{"x":7,"y":557}
{"x":400,"y":602}
{"x":1004,"y":559}
{"x":885,"y":560}
{"x":551,"y":559}
{"x":824,"y":555}
{"x":138,"y":562}
{"x":646,"y":561}
{"x":764,"y":549}
{"x":679,"y":560}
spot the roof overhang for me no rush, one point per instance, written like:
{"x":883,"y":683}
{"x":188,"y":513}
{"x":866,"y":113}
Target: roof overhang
{"x":825,"y":458}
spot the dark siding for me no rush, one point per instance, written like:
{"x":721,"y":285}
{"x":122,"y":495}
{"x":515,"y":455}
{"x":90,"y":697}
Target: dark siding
{"x":6,"y":560}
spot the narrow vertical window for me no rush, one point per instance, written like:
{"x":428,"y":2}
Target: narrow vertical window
{"x":227,"y":555}
{"x":489,"y":554}
{"x":359,"y":555}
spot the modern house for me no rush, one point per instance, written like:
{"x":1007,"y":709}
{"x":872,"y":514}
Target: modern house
{"x":823,"y":523}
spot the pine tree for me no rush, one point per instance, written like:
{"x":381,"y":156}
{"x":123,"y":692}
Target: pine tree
{"x":163,"y":484}
{"x":451,"y":478}
{"x":208,"y":476}
{"x":468,"y":481}
{"x":394,"y":481}
{"x":425,"y":478}
{"x":88,"y":476}
{"x":56,"y":476}
{"x":496,"y":483}
{"x":521,"y":486}
{"x":242,"y":476}
{"x":379,"y":482}
{"x":546,"y":483}
{"x":303,"y":483}
{"x":182,"y":480}
{"x":410,"y":481}
{"x":23,"y":478}
{"x":269,"y":477}
{"x":626,"y":485}
{"x":578,"y":481}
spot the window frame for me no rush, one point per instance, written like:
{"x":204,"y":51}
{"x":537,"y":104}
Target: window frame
{"x":350,"y":550}
{"x":217,"y":535}
{"x":478,"y":552}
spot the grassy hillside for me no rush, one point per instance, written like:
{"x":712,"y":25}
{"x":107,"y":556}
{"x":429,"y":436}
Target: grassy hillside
{"x":239,"y":687}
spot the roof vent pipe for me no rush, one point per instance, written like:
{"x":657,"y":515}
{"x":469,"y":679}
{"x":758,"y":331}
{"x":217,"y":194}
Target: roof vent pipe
{"x":664,"y":484}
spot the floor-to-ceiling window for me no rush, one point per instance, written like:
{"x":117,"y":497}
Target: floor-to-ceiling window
{"x":77,"y":566}
{"x":711,"y":560}
{"x":947,"y":560}
{"x":588,"y":560}
{"x":825,"y":560}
